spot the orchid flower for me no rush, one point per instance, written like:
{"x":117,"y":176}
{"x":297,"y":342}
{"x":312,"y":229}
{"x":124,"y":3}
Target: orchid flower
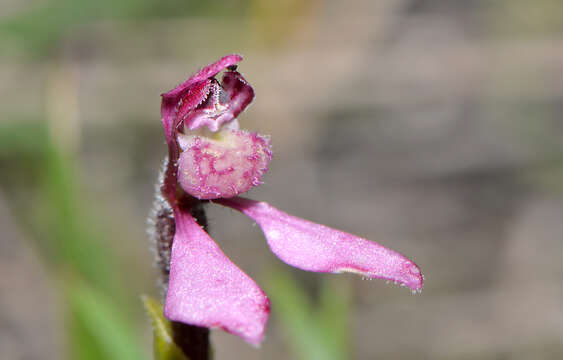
{"x":211,"y":160}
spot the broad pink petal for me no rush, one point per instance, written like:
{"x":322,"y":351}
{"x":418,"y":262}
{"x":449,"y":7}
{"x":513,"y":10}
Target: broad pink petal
{"x":315,"y":247}
{"x":206,"y":289}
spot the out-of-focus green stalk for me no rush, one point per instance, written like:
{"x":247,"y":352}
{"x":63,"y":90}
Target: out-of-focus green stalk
{"x":164,"y":347}
{"x":317,"y":331}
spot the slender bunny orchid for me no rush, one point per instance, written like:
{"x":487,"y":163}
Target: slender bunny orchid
{"x":212,"y":160}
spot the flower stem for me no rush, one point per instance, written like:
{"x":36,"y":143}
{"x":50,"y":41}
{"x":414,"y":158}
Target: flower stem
{"x":193,"y":340}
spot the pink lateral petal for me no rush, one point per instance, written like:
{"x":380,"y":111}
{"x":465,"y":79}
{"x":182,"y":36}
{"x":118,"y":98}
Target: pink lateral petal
{"x":206,"y":289}
{"x":240,"y":92}
{"x":315,"y":247}
{"x":194,"y":96}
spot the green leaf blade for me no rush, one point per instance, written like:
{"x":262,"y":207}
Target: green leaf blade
{"x":164,"y":347}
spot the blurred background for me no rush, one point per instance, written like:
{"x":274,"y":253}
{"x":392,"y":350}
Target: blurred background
{"x":431,"y":126}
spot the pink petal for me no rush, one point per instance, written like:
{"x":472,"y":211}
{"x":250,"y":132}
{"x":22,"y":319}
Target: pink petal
{"x":206,"y":289}
{"x":240,"y":92}
{"x":318,"y":248}
{"x":194,"y":96}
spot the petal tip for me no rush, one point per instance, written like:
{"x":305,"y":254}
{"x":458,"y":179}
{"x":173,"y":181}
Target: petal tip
{"x":411,"y":276}
{"x":251,"y":329}
{"x":416,"y":279}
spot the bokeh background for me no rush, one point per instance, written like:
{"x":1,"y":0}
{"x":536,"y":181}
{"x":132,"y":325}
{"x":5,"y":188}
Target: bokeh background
{"x":431,"y":126}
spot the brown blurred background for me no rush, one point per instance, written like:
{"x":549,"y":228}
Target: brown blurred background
{"x":433,"y":127}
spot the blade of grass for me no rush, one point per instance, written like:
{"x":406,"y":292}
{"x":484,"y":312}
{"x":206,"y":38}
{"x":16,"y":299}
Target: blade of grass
{"x":164,"y":347}
{"x":332,"y":317}
{"x":73,"y":245}
{"x":308,"y":325}
{"x":103,"y":330}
